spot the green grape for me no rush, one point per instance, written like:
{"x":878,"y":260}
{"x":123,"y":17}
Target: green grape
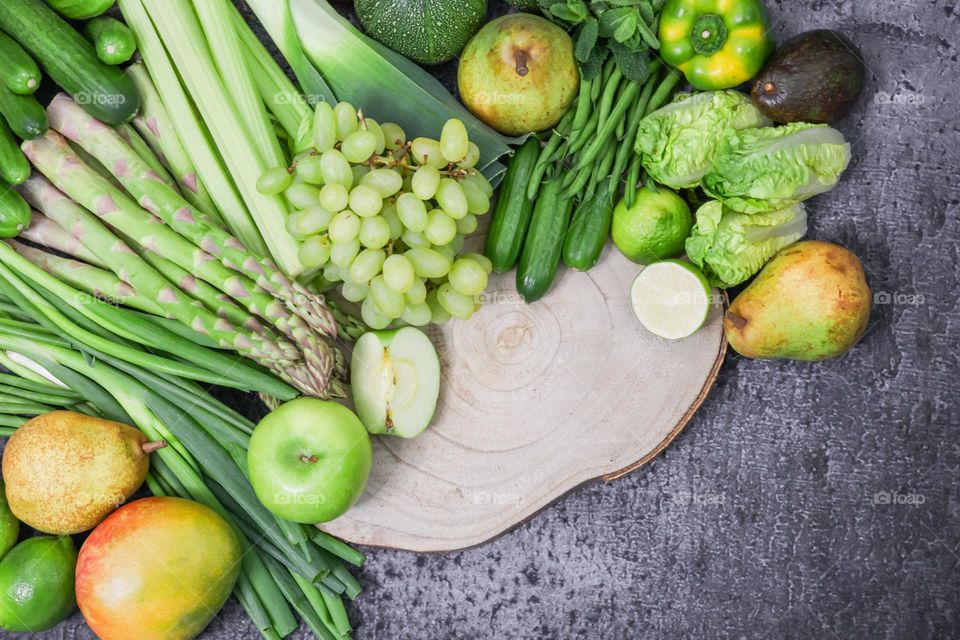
{"x":315,"y":252}
{"x":302,"y":195}
{"x":456,"y":245}
{"x":467,"y":224}
{"x":388,"y":302}
{"x":359,"y":171}
{"x":441,"y":228}
{"x":439,"y":315}
{"x":468,"y":277}
{"x":447,"y":252}
{"x":374,"y":232}
{"x":292,"y":224}
{"x":336,"y":169}
{"x":417,"y":292}
{"x":374,"y":127}
{"x":427,"y":152}
{"x":477,"y":178}
{"x":414,"y":239}
{"x":456,"y":304}
{"x":472,"y":158}
{"x":331,"y":272}
{"x":454,"y":141}
{"x":347,"y":120}
{"x":480,"y":259}
{"x":354,"y":291}
{"x":477,"y":201}
{"x":343,"y":253}
{"x":387,"y":182}
{"x":417,"y":315}
{"x":365,"y":201}
{"x":372,"y":317}
{"x":366,"y":265}
{"x":359,"y":146}
{"x":389,"y":214}
{"x":312,"y":221}
{"x":398,"y":273}
{"x":451,"y":198}
{"x":274,"y":181}
{"x":310,"y":169}
{"x":428,"y":263}
{"x":334,"y":197}
{"x":324,"y":127}
{"x":394,"y":135}
{"x":344,"y":227}
{"x":412,"y":212}
{"x":425,"y":182}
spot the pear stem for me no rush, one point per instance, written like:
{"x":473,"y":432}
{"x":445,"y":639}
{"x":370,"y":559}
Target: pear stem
{"x":150,"y":447}
{"x":522,"y":67}
{"x":738,"y":321}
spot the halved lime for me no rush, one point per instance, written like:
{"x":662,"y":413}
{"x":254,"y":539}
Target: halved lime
{"x":671,"y":299}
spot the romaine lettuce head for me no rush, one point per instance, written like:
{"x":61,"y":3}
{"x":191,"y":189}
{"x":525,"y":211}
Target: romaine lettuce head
{"x":764,"y":169}
{"x":730,"y":246}
{"x":677,"y":144}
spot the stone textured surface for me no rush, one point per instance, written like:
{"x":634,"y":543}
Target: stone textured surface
{"x":803,"y":501}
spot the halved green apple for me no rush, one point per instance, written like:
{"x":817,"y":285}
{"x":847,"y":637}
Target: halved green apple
{"x":396,"y":381}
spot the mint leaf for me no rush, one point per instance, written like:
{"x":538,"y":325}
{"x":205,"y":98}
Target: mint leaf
{"x":587,"y":39}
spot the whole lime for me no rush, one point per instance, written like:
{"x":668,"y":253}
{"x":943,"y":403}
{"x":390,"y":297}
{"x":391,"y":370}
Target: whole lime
{"x":654,"y":228}
{"x":9,"y":525}
{"x":37,"y":584}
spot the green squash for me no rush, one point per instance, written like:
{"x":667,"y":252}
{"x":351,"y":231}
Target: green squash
{"x":426,"y":31}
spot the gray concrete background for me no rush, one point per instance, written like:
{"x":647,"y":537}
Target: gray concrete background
{"x":802,"y":501}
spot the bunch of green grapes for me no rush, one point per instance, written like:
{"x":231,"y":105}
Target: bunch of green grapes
{"x":387,"y":218}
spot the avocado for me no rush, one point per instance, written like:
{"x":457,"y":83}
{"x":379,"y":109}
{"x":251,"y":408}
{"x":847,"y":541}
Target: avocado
{"x":815,"y":77}
{"x":426,"y":31}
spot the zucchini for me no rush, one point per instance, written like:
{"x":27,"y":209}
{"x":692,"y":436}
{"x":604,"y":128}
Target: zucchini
{"x":14,"y":166}
{"x":113,"y":40}
{"x":105,"y":92}
{"x":24,"y":114}
{"x":512,"y":216}
{"x":81,"y":9}
{"x":17,"y":69}
{"x":544,"y":244}
{"x":589,"y":230}
{"x":14,"y":212}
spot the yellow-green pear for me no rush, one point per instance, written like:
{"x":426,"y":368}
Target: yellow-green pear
{"x":810,"y":302}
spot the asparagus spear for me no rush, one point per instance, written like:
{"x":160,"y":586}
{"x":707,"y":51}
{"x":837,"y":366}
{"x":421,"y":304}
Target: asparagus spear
{"x":156,"y":126}
{"x":136,"y":176}
{"x":139,"y":146}
{"x":46,"y":232}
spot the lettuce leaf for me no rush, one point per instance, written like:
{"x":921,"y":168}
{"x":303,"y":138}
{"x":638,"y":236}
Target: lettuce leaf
{"x":677,"y":143}
{"x":765,"y":169}
{"x":731,"y":246}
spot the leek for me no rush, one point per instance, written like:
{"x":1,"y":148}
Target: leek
{"x":368,"y":75}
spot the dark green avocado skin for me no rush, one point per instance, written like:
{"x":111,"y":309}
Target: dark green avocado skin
{"x":815,"y":77}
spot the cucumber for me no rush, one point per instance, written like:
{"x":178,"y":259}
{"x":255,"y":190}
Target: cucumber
{"x":512,"y":216}
{"x":589,"y":230}
{"x":544,"y":244}
{"x":24,"y":114}
{"x":17,"y":69}
{"x":105,"y":92}
{"x":14,"y":212}
{"x":113,"y":40}
{"x":81,"y":9}
{"x":14,"y":166}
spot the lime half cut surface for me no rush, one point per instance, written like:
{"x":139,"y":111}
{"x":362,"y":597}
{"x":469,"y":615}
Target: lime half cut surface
{"x":671,"y":298}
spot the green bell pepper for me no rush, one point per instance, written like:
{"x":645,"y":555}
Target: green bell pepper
{"x":717,"y":44}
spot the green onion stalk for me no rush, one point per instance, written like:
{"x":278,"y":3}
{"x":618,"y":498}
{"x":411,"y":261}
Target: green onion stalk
{"x":291,"y":568}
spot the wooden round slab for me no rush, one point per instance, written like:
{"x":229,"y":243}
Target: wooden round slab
{"x":535,"y":400}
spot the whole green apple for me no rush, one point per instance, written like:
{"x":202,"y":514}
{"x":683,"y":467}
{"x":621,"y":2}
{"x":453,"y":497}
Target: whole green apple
{"x":309,"y":460}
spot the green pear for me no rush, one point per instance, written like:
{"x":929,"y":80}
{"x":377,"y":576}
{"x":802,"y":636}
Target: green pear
{"x":810,"y":302}
{"x":65,"y":472}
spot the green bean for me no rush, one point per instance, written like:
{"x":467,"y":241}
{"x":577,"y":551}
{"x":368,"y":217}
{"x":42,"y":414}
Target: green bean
{"x":546,"y":155}
{"x":603,"y":135}
{"x":602,"y":171}
{"x":627,"y":149}
{"x":575,"y":181}
{"x":633,"y":176}
{"x":609,"y":93}
{"x":663,"y":91}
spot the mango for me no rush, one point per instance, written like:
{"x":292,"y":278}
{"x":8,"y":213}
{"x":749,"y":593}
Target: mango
{"x":810,"y":302}
{"x":157,"y":569}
